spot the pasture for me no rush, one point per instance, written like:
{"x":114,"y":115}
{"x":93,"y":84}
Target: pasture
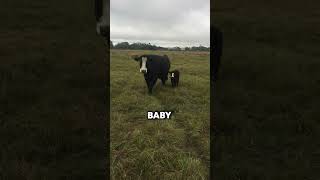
{"x":160,"y":149}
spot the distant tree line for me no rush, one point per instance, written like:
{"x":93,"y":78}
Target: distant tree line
{"x":148,"y":46}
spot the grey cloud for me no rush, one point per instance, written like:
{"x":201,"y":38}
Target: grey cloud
{"x":181,"y":21}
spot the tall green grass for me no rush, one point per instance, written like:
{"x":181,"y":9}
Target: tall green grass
{"x":160,"y":149}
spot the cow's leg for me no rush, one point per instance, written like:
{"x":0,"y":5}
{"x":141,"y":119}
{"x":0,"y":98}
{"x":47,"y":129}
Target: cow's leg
{"x":163,"y":80}
{"x":149,"y":86}
{"x":150,"y":83}
{"x":149,"y":90}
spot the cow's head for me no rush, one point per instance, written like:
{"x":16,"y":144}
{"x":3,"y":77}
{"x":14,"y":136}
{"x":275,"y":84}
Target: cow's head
{"x":102,"y":17}
{"x":143,"y":63}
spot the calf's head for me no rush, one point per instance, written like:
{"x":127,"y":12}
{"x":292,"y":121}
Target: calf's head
{"x":171,"y":74}
{"x":143,"y":63}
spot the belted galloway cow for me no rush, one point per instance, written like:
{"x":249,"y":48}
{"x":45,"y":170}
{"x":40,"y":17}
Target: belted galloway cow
{"x":153,"y":67}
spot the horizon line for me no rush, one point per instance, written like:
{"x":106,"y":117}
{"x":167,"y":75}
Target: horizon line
{"x":165,"y":44}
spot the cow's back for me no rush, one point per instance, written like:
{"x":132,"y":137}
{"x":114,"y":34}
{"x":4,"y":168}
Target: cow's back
{"x":158,"y":64}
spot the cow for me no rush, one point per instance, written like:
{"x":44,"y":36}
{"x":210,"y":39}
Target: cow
{"x":174,"y":76}
{"x":217,"y":41}
{"x":153,"y":67}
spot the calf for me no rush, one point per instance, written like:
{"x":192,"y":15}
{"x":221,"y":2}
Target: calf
{"x":174,"y":76}
{"x":153,"y":67}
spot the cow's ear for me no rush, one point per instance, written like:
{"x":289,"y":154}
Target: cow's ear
{"x":135,"y":57}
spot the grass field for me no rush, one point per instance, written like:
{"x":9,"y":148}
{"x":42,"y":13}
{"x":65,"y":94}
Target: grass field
{"x":267,"y":101}
{"x":52,"y":98}
{"x":165,"y":149}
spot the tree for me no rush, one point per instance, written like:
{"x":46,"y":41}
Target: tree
{"x":111,"y":44}
{"x":122,"y":45}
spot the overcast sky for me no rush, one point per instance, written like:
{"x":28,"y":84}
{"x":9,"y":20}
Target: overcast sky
{"x":165,"y":23}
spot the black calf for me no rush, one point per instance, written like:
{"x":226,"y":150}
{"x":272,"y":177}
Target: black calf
{"x":174,"y":76}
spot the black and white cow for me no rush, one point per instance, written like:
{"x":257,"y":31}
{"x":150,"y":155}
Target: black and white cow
{"x":153,"y":67}
{"x":174,"y":76}
{"x":217,"y":41}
